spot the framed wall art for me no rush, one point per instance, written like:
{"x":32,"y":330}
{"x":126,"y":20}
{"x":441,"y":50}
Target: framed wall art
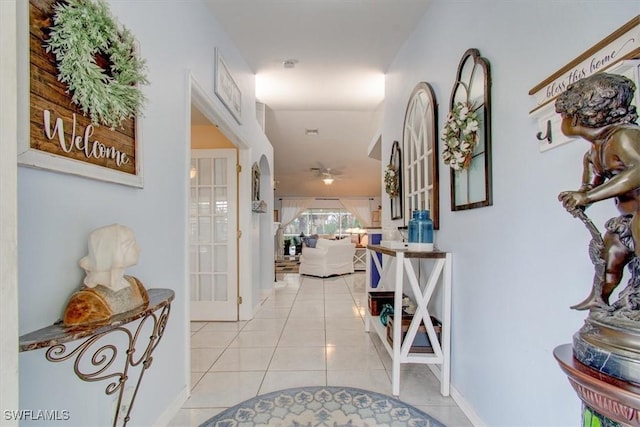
{"x":68,"y":129}
{"x":467,"y":134}
{"x":226,"y":88}
{"x":255,"y":182}
{"x":420,"y":147}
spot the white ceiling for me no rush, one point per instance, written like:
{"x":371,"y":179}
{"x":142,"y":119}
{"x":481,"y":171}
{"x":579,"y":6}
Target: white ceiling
{"x":343,"y":49}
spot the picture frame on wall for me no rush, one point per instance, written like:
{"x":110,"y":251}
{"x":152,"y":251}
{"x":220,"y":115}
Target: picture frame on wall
{"x":226,"y":88}
{"x":376,"y":219}
{"x":255,"y":182}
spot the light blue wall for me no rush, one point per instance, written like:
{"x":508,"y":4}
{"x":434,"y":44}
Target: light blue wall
{"x":57,"y":212}
{"x":520,"y":264}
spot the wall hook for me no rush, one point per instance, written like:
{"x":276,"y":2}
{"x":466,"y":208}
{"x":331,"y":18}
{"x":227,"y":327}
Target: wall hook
{"x":546,"y":137}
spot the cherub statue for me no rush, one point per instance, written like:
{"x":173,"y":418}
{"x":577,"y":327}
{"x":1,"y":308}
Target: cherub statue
{"x":598,"y":109}
{"x":107,"y":291}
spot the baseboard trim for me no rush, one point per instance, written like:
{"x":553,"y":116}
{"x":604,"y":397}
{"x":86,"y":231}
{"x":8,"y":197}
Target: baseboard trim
{"x":462,"y":403}
{"x":172,"y":410}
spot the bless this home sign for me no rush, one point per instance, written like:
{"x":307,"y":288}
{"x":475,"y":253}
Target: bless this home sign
{"x":59,"y":136}
{"x":618,"y":53}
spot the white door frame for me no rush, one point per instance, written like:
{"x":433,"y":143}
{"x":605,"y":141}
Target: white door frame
{"x":213,"y":111}
{"x":199,"y":98}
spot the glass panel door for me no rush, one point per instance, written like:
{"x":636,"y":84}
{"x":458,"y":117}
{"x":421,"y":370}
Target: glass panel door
{"x":213,"y":235}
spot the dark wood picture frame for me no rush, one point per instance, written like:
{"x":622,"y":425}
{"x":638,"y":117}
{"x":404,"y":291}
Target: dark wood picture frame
{"x":472,"y":188}
{"x":396,"y":161}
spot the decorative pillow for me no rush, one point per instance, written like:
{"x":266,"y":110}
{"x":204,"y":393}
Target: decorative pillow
{"x":310,"y":242}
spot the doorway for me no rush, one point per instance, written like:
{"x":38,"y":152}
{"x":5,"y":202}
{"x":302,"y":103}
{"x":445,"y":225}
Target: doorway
{"x":213,"y":214}
{"x":213,"y":211}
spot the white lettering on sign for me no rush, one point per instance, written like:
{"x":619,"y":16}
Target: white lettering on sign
{"x":91,"y":149}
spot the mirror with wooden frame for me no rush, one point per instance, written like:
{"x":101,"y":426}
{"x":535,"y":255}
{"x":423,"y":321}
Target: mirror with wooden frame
{"x":471,"y":185}
{"x":420,"y":146}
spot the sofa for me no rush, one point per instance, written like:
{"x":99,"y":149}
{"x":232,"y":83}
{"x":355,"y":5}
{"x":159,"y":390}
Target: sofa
{"x":327,"y":258}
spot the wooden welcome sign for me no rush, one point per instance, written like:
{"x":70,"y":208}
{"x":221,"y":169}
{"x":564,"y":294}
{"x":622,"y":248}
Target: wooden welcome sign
{"x":60,"y":136}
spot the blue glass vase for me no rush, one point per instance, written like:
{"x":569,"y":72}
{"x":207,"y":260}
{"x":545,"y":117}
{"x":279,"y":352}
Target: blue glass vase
{"x":421,"y":231}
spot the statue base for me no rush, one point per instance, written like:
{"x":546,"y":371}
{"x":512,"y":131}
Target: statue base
{"x":611,"y":349}
{"x":607,"y":401}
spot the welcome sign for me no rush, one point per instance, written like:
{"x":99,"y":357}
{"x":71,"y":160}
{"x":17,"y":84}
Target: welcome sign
{"x":59,"y":136}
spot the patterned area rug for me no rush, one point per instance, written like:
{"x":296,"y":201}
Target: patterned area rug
{"x":288,"y":266}
{"x":322,"y":406}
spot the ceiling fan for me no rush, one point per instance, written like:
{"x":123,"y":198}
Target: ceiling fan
{"x":327,"y":175}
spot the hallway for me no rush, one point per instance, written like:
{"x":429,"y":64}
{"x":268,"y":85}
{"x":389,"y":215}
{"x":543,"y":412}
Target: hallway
{"x":309,"y":332}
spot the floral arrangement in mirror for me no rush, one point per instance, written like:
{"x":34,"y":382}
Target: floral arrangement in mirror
{"x":460,"y":136}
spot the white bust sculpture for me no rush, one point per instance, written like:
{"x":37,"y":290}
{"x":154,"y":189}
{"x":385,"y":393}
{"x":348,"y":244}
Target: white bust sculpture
{"x":111,"y":250}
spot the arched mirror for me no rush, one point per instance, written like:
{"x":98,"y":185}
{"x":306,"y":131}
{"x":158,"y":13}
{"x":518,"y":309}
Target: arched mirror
{"x":420,"y":146}
{"x":467,"y":134}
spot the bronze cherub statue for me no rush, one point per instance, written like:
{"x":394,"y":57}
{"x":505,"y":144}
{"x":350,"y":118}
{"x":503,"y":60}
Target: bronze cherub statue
{"x":598,"y":109}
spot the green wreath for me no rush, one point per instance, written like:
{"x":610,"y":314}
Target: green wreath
{"x":82,"y":30}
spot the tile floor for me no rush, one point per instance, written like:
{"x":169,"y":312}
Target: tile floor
{"x":309,"y":332}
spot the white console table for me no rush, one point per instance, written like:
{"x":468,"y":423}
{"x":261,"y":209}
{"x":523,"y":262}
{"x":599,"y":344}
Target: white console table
{"x":398,"y":264}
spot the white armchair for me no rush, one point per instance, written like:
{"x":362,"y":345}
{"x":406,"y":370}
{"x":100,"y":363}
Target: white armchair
{"x":329,"y":257}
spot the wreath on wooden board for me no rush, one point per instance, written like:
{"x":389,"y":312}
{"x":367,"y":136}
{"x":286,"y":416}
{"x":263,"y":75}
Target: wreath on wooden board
{"x":460,"y":136}
{"x":97,"y":60}
{"x":391,"y":181}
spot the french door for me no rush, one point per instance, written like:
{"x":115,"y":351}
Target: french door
{"x":213,"y":235}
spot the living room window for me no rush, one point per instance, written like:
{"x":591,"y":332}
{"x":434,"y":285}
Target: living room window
{"x":328,"y":222}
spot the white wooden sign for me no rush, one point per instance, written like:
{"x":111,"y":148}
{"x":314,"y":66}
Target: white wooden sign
{"x":622,"y":44}
{"x":617,"y":53}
